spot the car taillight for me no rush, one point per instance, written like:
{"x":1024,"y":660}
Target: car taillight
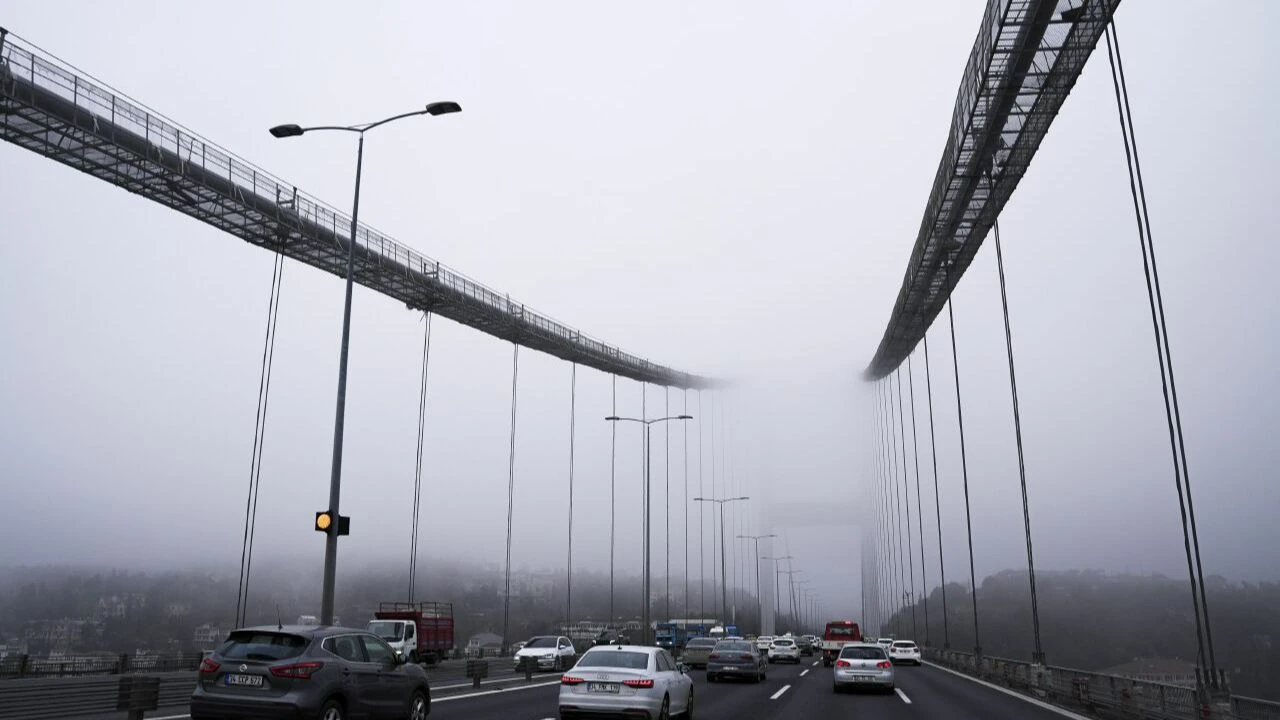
{"x":297,"y":671}
{"x":884,"y":664}
{"x":748,"y":657}
{"x":209,"y":665}
{"x":646,"y":683}
{"x":713,"y":656}
{"x":571,"y":680}
{"x":843,"y":663}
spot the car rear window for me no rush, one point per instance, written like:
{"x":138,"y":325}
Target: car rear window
{"x":735,"y":646}
{"x":701,"y":642}
{"x":262,"y":645}
{"x":624,"y":659}
{"x":782,"y":643}
{"x":862,"y":653}
{"x":904,"y":644}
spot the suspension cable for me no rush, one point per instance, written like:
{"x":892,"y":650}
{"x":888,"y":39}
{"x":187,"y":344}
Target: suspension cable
{"x":964,"y":468}
{"x":702,"y":530}
{"x":259,"y":439}
{"x":937,"y":501}
{"x":573,"y":417}
{"x":645,"y":590}
{"x":1037,"y":655}
{"x":666,"y":496}
{"x":613,"y":495}
{"x":887,"y":501}
{"x":906,"y":501}
{"x":712,"y":402}
{"x":1173,"y":414}
{"x":417,"y":470}
{"x":684,"y":446}
{"x":895,"y":500}
{"x":511,"y":495}
{"x":915,"y":451}
{"x":884,"y":558}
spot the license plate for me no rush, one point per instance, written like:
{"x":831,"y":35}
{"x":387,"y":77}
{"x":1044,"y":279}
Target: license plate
{"x":245,"y":680}
{"x":602,"y":687}
{"x":863,"y":678}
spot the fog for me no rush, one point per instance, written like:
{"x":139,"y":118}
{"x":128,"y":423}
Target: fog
{"x":730,"y":188}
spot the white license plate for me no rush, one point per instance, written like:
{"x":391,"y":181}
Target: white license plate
{"x":602,"y":687}
{"x":863,"y":678}
{"x":245,"y":680}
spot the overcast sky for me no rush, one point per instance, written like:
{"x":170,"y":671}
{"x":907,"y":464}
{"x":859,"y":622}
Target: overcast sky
{"x":727,"y":187}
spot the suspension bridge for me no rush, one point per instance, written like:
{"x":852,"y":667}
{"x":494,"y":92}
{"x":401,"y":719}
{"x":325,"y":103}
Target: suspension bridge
{"x":1027,"y":57}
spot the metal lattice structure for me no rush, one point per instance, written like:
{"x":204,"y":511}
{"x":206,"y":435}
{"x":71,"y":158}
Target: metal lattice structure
{"x":52,"y":109}
{"x":1027,"y":57}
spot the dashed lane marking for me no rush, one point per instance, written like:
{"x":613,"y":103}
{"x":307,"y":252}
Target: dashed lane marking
{"x":778,"y":694}
{"x":902,"y":695}
{"x":803,"y":673}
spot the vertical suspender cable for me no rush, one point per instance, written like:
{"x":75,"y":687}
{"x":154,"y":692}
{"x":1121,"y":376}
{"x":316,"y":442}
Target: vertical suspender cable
{"x":511,"y":496}
{"x":1037,"y":655}
{"x":906,"y":501}
{"x":1173,"y":415}
{"x":964,"y":470}
{"x":915,"y":451}
{"x":645,"y":594}
{"x":666,"y":496}
{"x":891,"y":589}
{"x":884,"y":558}
{"x":613,"y":495}
{"x":684,"y":446}
{"x":937,"y":501}
{"x":720,"y":612}
{"x":573,"y":417}
{"x":259,"y":439}
{"x":417,"y":468}
{"x":895,"y":501}
{"x":702,"y":530}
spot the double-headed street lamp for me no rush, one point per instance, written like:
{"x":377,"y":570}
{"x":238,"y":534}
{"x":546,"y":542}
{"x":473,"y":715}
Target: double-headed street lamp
{"x":759,"y":597}
{"x":648,"y":424}
{"x":724,"y":585}
{"x":335,"y":475}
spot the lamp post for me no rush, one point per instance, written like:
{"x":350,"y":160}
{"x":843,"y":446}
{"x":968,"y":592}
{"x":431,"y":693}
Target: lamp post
{"x":759,"y":597}
{"x":648,"y":424}
{"x":724,"y":584}
{"x":335,"y":475}
{"x":777,"y":587}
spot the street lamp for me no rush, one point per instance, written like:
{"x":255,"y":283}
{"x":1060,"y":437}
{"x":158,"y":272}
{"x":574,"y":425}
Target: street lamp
{"x":335,"y":475}
{"x":724,"y":585}
{"x":777,"y":586}
{"x":648,"y":424}
{"x":759,"y":598}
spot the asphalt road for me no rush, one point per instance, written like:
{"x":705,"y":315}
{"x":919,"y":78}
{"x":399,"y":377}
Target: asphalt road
{"x":791,"y":692}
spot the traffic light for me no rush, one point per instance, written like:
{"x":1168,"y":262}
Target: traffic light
{"x":325,"y":523}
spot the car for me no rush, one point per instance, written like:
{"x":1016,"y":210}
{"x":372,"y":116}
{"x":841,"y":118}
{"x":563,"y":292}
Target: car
{"x":736,"y":658}
{"x":608,"y":637}
{"x":863,"y":665}
{"x":805,"y":645}
{"x":292,"y":671}
{"x":762,"y":643}
{"x":905,"y":651}
{"x":626,"y":680}
{"x":784,"y":648}
{"x":884,"y":642}
{"x":546,"y":652}
{"x":697,"y":650}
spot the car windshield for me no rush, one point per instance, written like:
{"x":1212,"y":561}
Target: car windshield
{"x":255,"y":645}
{"x":734,"y":646}
{"x":386,"y":630}
{"x":541,"y":642}
{"x":625,"y":659}
{"x":862,"y":653}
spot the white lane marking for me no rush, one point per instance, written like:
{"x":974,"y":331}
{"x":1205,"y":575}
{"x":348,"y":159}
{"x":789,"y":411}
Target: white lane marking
{"x":1006,"y":691}
{"x":815,"y":663}
{"x":778,"y":694}
{"x":170,"y":717}
{"x":468,"y":684}
{"x":493,"y":692}
{"x":803,"y":673}
{"x":902,"y":695}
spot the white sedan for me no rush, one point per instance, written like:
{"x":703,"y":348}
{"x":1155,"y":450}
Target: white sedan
{"x":905,"y":651}
{"x":784,"y":649}
{"x":546,"y":652}
{"x":625,"y":680}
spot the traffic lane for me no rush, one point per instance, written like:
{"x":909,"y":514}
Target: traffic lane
{"x":517,"y":703}
{"x":812,"y":697}
{"x":936,"y":689}
{"x":745,"y":700}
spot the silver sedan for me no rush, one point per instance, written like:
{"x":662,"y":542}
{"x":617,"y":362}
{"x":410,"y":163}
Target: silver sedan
{"x":863,"y":665}
{"x":626,"y":679}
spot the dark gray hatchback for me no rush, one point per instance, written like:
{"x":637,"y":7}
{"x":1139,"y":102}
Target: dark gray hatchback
{"x":305,"y":672}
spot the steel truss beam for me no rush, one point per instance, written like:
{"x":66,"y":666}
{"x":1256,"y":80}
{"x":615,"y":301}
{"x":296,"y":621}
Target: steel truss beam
{"x":1027,"y":57}
{"x":50,"y":108}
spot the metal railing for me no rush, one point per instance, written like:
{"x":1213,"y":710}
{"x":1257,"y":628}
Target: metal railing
{"x":1107,"y":696}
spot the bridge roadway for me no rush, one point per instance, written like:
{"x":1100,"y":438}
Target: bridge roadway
{"x":801,"y":692}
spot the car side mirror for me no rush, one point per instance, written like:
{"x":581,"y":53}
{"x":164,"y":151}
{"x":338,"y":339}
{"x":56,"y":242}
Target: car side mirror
{"x":682,"y":668}
{"x":400,"y":659}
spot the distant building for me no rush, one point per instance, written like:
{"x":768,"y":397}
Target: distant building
{"x":490,"y":643}
{"x":1165,"y":671}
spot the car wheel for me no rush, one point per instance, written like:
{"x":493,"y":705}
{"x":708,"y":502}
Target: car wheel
{"x":665,"y":712}
{"x":418,"y":707}
{"x":688,"y":706}
{"x":835,"y":688}
{"x":332,"y":710}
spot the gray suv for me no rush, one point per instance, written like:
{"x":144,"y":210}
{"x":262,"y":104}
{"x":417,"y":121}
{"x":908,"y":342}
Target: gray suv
{"x":296,"y":672}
